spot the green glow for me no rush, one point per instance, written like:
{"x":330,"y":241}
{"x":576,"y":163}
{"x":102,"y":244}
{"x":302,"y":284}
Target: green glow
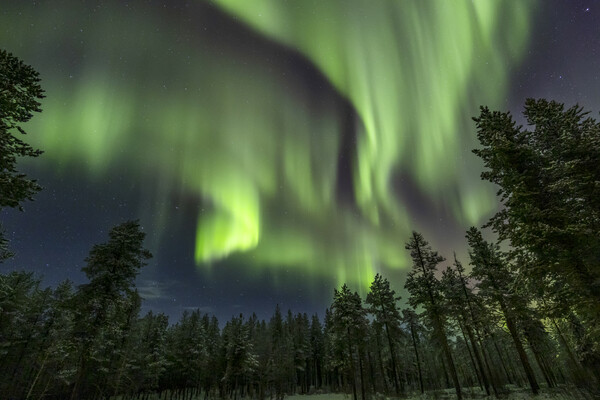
{"x":410,"y":69}
{"x":250,"y":144}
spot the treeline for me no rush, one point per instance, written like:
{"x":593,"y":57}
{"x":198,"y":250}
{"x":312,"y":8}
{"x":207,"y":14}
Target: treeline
{"x":527,"y":313}
{"x":482,"y":330}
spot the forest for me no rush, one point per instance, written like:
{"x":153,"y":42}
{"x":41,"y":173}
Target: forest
{"x":522,"y":316}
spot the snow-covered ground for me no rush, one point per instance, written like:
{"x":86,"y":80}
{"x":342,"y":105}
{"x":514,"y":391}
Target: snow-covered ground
{"x":558,"y":394}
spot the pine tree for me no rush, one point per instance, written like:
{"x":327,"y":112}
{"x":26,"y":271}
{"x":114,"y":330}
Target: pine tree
{"x":495,"y":284}
{"x":425,"y":291}
{"x":111,"y":268}
{"x":148,"y":362}
{"x":120,"y":350}
{"x":411,"y":319}
{"x":316,"y":351}
{"x":458,"y":300}
{"x":382,"y":301}
{"x":301,"y":339}
{"x":20,"y":93}
{"x":55,"y":355}
{"x":23,"y":313}
{"x":281,"y":369}
{"x":350,"y":324}
{"x":549,"y":179}
{"x":333,"y":352}
{"x":240,"y":356}
{"x":5,"y":253}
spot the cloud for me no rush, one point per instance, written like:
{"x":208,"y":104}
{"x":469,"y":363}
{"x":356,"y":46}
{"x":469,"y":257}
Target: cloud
{"x":153,"y":290}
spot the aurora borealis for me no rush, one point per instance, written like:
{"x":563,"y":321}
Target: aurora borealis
{"x":300,"y":141}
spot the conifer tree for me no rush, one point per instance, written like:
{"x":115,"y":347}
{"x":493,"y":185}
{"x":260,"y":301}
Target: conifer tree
{"x":425,"y":291}
{"x":5,"y":253}
{"x":316,"y":351}
{"x":495,"y":284}
{"x":333,"y":349}
{"x":302,"y":351}
{"x":149,"y":361}
{"x":239,"y":353}
{"x":410,"y":318}
{"x":382,"y":302}
{"x":20,"y":95}
{"x":56,"y":353}
{"x":458,"y":297}
{"x":549,"y":180}
{"x":282,"y":363}
{"x":350,"y":324}
{"x":25,"y":307}
{"x":111,"y":268}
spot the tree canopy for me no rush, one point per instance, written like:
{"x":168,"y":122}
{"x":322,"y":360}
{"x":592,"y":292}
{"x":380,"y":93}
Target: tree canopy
{"x":20,"y":92}
{"x":20,"y":95}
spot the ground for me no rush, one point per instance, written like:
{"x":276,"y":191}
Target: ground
{"x":557,"y":394}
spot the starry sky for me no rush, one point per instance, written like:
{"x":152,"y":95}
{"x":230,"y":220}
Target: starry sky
{"x":273,"y":150}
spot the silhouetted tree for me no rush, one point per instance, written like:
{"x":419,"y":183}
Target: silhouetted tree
{"x":382,"y":304}
{"x":458,"y":299}
{"x":425,"y":291}
{"x":548,"y":178}
{"x":240,"y":356}
{"x":350,"y":325}
{"x":495,"y":284}
{"x":411,"y":319}
{"x":316,"y":351}
{"x":282,"y":363}
{"x":20,"y":92}
{"x":111,"y":268}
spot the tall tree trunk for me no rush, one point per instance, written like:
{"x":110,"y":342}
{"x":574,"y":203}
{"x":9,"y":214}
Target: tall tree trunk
{"x":535,"y":388}
{"x":36,"y":377}
{"x":509,"y":376}
{"x":445,"y":371}
{"x":484,"y":377}
{"x":448,"y":355}
{"x":371,"y":372}
{"x":494,"y":381}
{"x":414,"y":340}
{"x":352,"y":367}
{"x":542,"y":365}
{"x":477,"y":373}
{"x":577,"y":369}
{"x":439,"y":327}
{"x":362,"y":375}
{"x":393,"y":355}
{"x":383,"y":377}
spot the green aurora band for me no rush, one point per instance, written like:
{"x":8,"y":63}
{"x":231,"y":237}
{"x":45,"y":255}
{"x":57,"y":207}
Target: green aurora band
{"x":255,"y":147}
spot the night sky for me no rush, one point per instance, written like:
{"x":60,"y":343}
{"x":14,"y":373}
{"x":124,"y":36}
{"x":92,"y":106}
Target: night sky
{"x":273,"y":149}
